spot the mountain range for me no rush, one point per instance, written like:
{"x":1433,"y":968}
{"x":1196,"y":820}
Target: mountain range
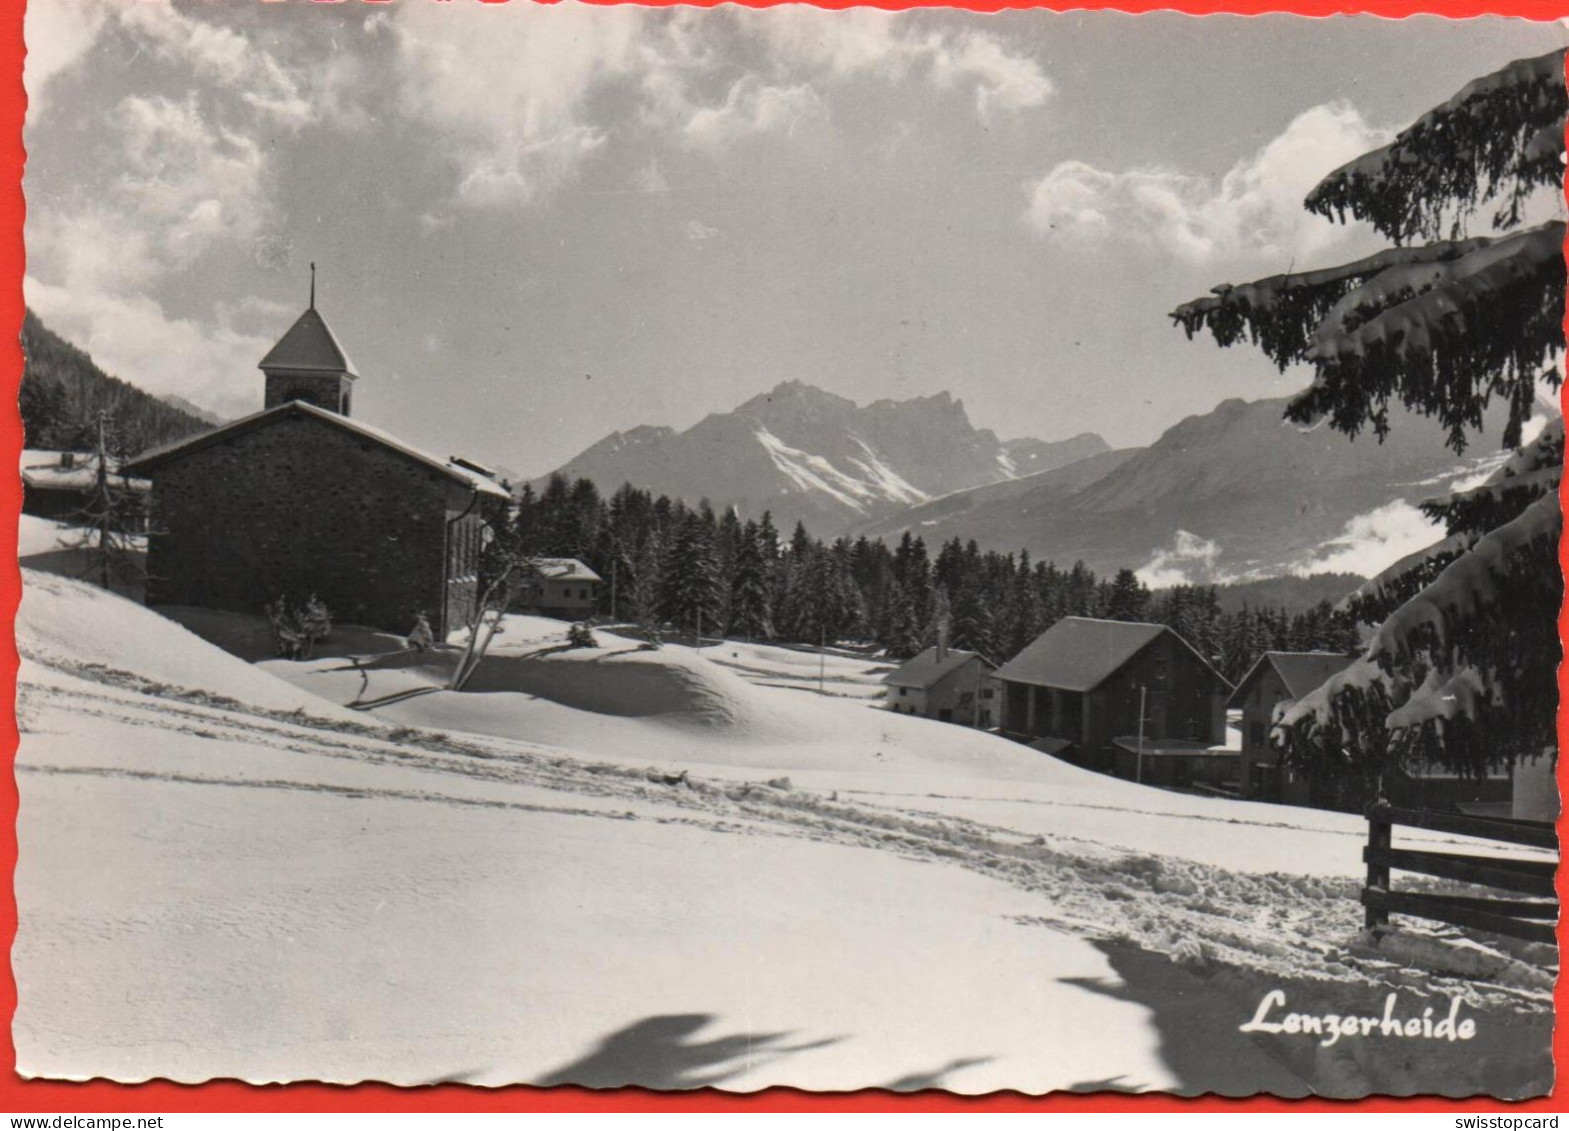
{"x":1237,"y":492}
{"x":809,"y":455}
{"x":1234,"y":493}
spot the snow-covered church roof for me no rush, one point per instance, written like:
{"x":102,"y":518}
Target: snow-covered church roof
{"x":150,"y":461}
{"x":309,"y":346}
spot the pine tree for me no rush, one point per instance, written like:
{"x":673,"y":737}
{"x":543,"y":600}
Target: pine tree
{"x":750,"y":611}
{"x":1127,"y":598}
{"x":645,"y":582}
{"x":1460,"y":667}
{"x":973,"y":624}
{"x":1028,"y":616}
{"x":689,"y":590}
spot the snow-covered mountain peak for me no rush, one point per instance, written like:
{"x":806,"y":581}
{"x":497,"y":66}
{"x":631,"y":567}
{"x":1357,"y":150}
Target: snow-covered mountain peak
{"x":807,"y":454}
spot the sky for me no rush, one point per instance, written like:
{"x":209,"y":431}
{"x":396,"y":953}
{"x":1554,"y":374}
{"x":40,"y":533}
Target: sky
{"x":536,"y":225}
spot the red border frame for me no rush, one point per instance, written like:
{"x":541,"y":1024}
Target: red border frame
{"x":19,"y":1095}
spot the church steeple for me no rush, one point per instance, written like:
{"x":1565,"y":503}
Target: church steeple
{"x":309,"y":365}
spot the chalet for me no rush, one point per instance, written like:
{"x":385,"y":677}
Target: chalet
{"x":948,"y":684}
{"x":1117,"y":696}
{"x":1279,"y":679}
{"x":564,"y":588}
{"x":1272,"y":684}
{"x":300,"y":499}
{"x":60,"y":486}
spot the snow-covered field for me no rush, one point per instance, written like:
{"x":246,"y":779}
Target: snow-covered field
{"x":668,"y":867}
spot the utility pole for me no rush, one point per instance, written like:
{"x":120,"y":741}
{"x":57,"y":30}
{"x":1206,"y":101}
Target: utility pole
{"x":105,"y":502}
{"x":822,"y":658}
{"x":1139,"y":770}
{"x":615,"y":564}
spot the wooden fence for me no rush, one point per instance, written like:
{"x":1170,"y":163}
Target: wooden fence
{"x":1534,"y":919}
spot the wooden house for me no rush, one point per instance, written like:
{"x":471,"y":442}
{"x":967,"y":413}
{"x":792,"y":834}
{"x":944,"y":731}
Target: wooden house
{"x":1273,"y":683}
{"x":947,"y":684}
{"x":61,"y":485}
{"x":299,"y":499}
{"x":1118,"y":696}
{"x":563,"y":588}
{"x":1279,"y":679}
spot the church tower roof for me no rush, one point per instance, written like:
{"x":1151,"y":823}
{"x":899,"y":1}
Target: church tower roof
{"x":309,"y":346}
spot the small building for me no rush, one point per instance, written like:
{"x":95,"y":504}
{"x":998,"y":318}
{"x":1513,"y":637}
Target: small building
{"x":299,"y":499}
{"x":947,"y":684}
{"x":565,"y":588}
{"x":1272,"y":684}
{"x":1088,"y":687}
{"x":60,"y":486}
{"x":1175,"y":763}
{"x":1279,"y":679}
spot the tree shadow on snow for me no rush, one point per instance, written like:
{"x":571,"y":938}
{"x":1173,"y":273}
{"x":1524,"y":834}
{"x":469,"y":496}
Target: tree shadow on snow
{"x":936,"y":1078}
{"x":1199,"y":1040}
{"x":661,"y":1052}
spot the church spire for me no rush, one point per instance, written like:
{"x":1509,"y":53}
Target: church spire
{"x":308,"y":364}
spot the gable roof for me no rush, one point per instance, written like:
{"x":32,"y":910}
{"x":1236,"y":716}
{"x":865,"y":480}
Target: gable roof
{"x":311,"y":346}
{"x":43,"y":471}
{"x":926,"y":669}
{"x":1080,"y":653}
{"x":158,"y":457}
{"x":1301,"y":672}
{"x":564,"y":569}
{"x":1169,"y":747}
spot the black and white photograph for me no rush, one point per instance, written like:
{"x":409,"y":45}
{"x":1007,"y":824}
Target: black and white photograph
{"x":736,"y":548}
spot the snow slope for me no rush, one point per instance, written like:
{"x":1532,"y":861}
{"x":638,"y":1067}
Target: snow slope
{"x":224,"y":874}
{"x":681,"y":708}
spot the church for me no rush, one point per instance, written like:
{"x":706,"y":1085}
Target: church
{"x":301,"y":499}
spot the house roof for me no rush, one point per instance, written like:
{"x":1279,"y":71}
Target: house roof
{"x":926,"y":669}
{"x":1079,"y":653}
{"x":564,"y":569}
{"x":1052,"y":746}
{"x":1170,"y":747}
{"x":158,"y":457}
{"x":311,"y":346}
{"x":1301,"y":672}
{"x":41,"y":470}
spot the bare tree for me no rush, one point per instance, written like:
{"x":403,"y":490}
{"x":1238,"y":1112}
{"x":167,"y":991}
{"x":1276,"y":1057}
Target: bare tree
{"x":511,"y":573}
{"x":111,"y":524}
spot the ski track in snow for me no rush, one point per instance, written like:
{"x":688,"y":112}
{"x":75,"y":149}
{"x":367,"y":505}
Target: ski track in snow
{"x":1302,"y":926}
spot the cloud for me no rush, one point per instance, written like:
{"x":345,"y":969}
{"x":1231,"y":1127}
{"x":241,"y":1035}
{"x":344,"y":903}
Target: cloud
{"x":220,"y":55}
{"x":183,"y":184}
{"x":516,"y":93}
{"x":508,"y":89}
{"x":894,"y":45}
{"x":1001,"y":78}
{"x":187,"y":180}
{"x":1372,"y":542}
{"x":1255,"y":209}
{"x":650,"y":178}
{"x":180,"y":178}
{"x":1189,"y":560}
{"x":697,"y":230}
{"x":212,"y":365}
{"x":753,"y":108}
{"x":60,"y":34}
